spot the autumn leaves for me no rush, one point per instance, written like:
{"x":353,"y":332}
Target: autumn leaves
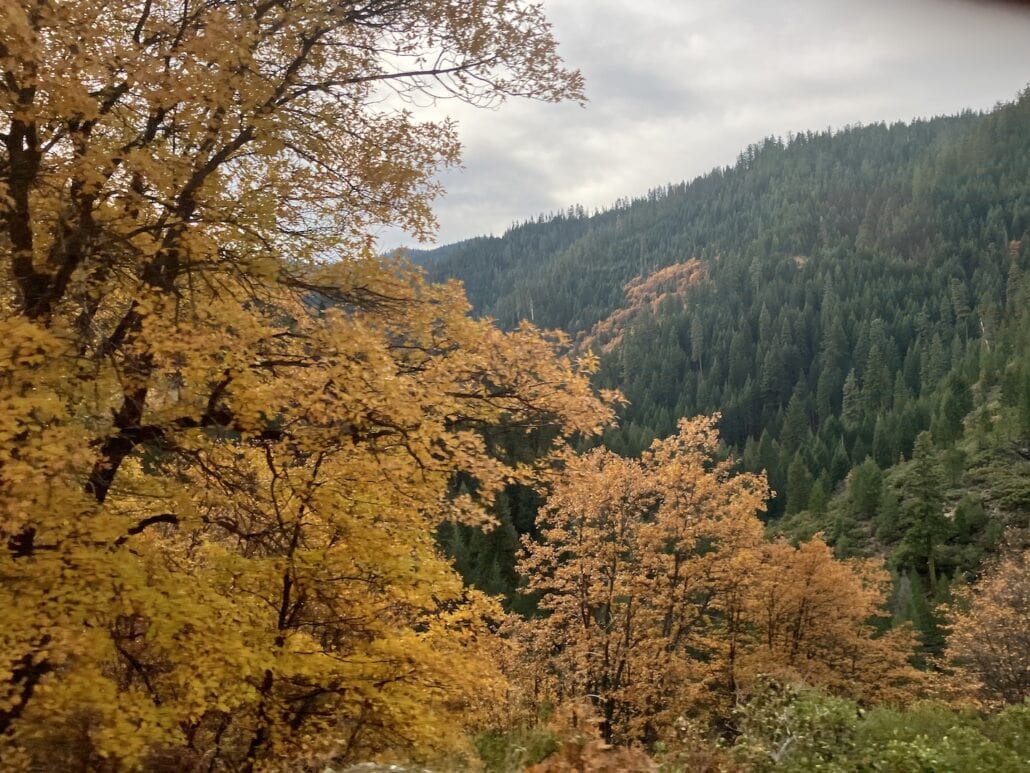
{"x":660,"y":598}
{"x":228,"y":430}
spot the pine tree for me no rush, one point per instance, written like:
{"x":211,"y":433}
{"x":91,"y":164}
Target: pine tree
{"x":697,"y":341}
{"x":865,"y":488}
{"x":819,"y":498}
{"x":954,"y":405}
{"x":923,"y":509}
{"x":876,"y":380}
{"x":884,"y":446}
{"x":795,"y":422}
{"x":840,"y":463}
{"x":799,"y":485}
{"x":828,"y":387}
{"x":852,"y":407}
{"x":889,"y":526}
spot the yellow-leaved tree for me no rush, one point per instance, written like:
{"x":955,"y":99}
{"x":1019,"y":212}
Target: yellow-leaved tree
{"x":807,"y":616}
{"x":227,"y":429}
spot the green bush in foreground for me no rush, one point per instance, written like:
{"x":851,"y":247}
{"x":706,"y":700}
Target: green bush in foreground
{"x":786,"y":728}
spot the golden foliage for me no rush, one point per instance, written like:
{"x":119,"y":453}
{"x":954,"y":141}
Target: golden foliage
{"x":808,"y":617}
{"x":644,"y":295}
{"x":633,"y":558}
{"x":228,"y":430}
{"x":661,"y":600}
{"x":989,"y":639}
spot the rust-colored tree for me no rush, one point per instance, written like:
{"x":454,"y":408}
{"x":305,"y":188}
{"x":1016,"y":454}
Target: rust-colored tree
{"x":660,"y":600}
{"x":988,"y":648}
{"x":634,"y":558}
{"x":586,"y":570}
{"x":809,"y":617}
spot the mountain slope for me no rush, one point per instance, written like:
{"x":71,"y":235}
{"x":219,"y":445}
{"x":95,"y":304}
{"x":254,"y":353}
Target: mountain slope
{"x":852,"y":290}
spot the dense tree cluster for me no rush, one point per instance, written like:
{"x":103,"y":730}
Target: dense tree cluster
{"x":660,"y":598}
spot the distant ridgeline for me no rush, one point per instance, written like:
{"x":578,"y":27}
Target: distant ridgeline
{"x":833,"y":296}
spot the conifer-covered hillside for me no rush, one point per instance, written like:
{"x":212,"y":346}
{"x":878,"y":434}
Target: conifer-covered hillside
{"x":858,"y":316}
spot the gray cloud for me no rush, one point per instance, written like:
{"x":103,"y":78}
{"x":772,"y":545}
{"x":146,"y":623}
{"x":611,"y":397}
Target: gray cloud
{"x":678,"y":87}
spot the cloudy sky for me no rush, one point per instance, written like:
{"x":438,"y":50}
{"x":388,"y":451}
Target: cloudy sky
{"x":677,"y":87}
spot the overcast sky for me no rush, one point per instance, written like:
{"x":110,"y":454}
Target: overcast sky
{"x":676,"y":87}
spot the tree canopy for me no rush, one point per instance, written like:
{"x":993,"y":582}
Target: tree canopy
{"x":660,"y":598}
{"x":230,"y":430}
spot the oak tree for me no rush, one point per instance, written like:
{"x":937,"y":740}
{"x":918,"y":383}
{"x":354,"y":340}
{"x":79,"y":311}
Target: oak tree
{"x":810,"y":617}
{"x":228,"y":429}
{"x":636,"y":558}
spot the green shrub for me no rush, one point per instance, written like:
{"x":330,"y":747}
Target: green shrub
{"x":507,"y":751}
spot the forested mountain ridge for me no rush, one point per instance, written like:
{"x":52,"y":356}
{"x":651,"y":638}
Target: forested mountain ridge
{"x":876,"y":188}
{"x":858,"y":288}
